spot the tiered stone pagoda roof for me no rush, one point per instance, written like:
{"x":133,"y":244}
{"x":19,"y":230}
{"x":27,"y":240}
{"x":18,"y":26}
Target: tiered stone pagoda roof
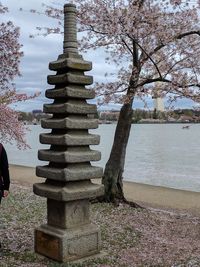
{"x":69,"y":235}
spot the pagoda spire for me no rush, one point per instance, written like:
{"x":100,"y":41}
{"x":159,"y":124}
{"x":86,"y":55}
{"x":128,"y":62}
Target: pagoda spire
{"x":70,"y":43}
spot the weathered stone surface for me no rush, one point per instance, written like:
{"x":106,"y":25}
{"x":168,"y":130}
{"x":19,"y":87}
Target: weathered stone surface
{"x":70,"y":139}
{"x":68,"y":214}
{"x":77,"y":92}
{"x":70,"y":123}
{"x":73,"y":172}
{"x":70,"y":33}
{"x":69,"y":156}
{"x":68,"y":187}
{"x":67,"y":245}
{"x":71,"y":63}
{"x":71,"y":191}
{"x":72,"y":107}
{"x":70,"y":78}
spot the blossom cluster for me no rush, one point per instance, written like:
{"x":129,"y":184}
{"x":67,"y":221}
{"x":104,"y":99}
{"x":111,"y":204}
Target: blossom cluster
{"x":155,"y":45}
{"x":10,"y":54}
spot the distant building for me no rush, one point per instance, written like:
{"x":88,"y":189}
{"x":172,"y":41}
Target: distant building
{"x":110,"y":115}
{"x":159,"y":104}
{"x":185,"y":118}
{"x":158,"y":99}
{"x":171,"y":119}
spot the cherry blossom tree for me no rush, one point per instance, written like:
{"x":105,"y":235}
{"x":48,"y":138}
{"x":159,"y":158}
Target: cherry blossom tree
{"x":156,"y":46}
{"x":10,"y":127}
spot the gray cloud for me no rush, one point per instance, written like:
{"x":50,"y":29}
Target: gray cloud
{"x":39,"y":51}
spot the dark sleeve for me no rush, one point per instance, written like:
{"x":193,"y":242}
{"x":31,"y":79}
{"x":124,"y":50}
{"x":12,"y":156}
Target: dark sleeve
{"x":5,"y":169}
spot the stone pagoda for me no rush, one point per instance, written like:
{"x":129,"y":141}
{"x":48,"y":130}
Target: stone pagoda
{"x":69,"y":235}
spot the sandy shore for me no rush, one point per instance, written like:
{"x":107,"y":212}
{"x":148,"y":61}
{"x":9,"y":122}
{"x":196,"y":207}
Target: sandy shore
{"x":153,"y":195}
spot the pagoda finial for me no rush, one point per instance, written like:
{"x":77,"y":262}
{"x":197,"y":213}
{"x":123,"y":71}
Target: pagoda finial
{"x":70,"y":29}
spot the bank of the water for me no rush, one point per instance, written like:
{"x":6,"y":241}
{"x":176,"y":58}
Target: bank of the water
{"x":153,"y":195}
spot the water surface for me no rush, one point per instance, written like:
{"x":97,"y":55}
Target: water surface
{"x":157,"y":154}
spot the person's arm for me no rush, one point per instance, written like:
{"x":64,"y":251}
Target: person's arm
{"x":5,"y":171}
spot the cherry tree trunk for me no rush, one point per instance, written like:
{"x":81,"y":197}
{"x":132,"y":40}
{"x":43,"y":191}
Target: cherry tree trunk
{"x":112,"y":178}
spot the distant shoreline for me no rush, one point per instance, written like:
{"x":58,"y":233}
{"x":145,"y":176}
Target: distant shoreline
{"x":167,"y":122}
{"x":152,"y":122}
{"x":139,"y":122}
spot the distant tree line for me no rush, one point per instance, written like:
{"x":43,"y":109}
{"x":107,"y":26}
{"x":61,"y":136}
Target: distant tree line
{"x":31,"y":116}
{"x":141,"y":114}
{"x":138,"y":115}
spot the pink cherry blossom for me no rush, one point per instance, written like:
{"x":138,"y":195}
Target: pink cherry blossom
{"x":150,"y":43}
{"x":10,"y":53}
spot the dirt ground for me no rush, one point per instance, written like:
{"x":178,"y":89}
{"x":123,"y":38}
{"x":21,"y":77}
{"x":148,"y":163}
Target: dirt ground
{"x":155,"y":196}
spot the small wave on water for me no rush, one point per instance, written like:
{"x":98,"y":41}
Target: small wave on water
{"x":157,"y":154}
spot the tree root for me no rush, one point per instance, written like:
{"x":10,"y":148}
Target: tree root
{"x":116,"y":202}
{"x":123,"y":200}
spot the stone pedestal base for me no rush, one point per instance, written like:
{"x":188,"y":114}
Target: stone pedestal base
{"x":66,"y":245}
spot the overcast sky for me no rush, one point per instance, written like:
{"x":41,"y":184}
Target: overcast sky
{"x":39,"y":51}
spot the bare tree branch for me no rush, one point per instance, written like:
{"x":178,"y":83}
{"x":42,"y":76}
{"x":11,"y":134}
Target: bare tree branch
{"x":149,"y":56}
{"x":127,"y":46}
{"x":177,"y":37}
